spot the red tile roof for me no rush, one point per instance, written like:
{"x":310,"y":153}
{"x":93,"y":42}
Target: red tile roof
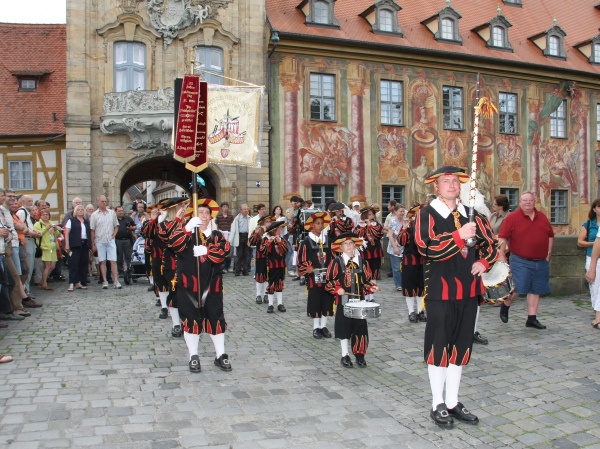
{"x":580,"y":21}
{"x":33,"y":51}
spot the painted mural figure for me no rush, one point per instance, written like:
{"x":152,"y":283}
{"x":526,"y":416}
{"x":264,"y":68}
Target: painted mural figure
{"x":453,"y":151}
{"x":484,"y":182}
{"x":418,"y":188}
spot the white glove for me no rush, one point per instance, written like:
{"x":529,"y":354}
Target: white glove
{"x":162,"y":216}
{"x":193,"y":224}
{"x":200,"y":251}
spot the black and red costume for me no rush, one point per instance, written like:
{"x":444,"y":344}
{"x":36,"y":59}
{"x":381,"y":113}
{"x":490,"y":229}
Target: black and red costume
{"x":354,"y":276}
{"x":209,"y":318}
{"x":169,"y":261}
{"x":261,"y":269}
{"x":338,"y":226}
{"x":371,"y":251}
{"x":274,"y":251}
{"x":315,"y":253}
{"x":158,"y":247}
{"x":451,"y":291}
{"x":412,"y":264}
{"x":148,"y":242}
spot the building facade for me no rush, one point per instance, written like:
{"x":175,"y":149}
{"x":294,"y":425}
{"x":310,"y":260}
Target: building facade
{"x":123,"y":57}
{"x":32,"y":110}
{"x":368,"y":97}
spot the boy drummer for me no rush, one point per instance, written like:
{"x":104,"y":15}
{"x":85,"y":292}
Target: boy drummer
{"x":349,"y":276}
{"x":275,"y":249}
{"x":261,"y":272}
{"x":314,"y":254}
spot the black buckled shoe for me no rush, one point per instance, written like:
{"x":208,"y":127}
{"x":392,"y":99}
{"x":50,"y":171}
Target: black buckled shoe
{"x":317,"y":334}
{"x":442,"y":417}
{"x":412,"y":317}
{"x":195,"y":364}
{"x":360,"y":360}
{"x":164,"y":313}
{"x":535,"y":323}
{"x":265,"y":299}
{"x":326,"y":332}
{"x":504,"y":313}
{"x":157,"y":303}
{"x":223,"y":362}
{"x":422,"y":317}
{"x":478,"y":338}
{"x":462,"y":414}
{"x":281,"y":308}
{"x":177,"y":331}
{"x":270,"y":309}
{"x":259,"y":299}
{"x":346,"y":362}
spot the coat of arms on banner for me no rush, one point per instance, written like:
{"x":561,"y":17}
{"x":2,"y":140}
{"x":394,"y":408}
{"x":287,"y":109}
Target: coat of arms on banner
{"x":233,"y":124}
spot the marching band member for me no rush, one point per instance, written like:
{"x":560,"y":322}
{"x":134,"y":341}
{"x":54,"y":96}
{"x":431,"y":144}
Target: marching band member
{"x":340,"y":224}
{"x":453,"y":284}
{"x":261,"y":270}
{"x":175,"y":209}
{"x":371,"y":232}
{"x":348,"y":275}
{"x":314,"y":253}
{"x":274,"y":248}
{"x":200,"y":299}
{"x":161,"y":286}
{"x":412,"y":268}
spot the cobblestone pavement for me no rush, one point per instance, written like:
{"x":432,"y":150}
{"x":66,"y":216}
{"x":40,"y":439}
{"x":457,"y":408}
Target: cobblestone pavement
{"x":98,"y":369}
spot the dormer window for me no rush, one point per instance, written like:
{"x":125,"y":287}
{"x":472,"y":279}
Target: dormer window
{"x":383,"y":17}
{"x":553,"y":45}
{"x":444,"y":25}
{"x":513,"y":2}
{"x":495,"y":32}
{"x":591,"y":49}
{"x":319,"y":12}
{"x":596,"y":52}
{"x":29,"y":80}
{"x":551,"y":42}
{"x":27,"y":85}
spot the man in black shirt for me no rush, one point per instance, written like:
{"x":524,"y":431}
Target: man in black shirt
{"x":123,"y":238}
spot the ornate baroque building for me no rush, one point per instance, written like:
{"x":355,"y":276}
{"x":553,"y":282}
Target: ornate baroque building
{"x":369,"y":96}
{"x":123,"y":57}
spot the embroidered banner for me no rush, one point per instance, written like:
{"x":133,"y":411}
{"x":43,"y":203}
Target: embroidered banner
{"x":187,"y":119}
{"x":199,"y":162}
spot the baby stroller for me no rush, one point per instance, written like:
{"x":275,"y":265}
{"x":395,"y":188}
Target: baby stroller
{"x":136,"y":267}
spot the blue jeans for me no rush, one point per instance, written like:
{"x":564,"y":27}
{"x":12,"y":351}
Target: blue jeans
{"x":395,"y":262}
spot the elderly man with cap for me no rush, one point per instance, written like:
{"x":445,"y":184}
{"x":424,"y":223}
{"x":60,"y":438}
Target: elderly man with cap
{"x":348,"y":276}
{"x":274,"y":249}
{"x":453,"y":284}
{"x":314,"y":255}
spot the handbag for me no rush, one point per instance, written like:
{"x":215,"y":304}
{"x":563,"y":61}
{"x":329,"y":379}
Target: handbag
{"x":38,"y":250}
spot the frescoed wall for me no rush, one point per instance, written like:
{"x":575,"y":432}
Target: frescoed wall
{"x":359,"y":155}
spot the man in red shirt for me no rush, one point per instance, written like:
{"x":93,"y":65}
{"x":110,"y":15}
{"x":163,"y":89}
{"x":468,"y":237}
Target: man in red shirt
{"x":530,"y":236}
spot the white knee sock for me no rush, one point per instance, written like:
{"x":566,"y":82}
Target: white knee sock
{"x":452,"y":385}
{"x":219,"y":342}
{"x":174,"y":311}
{"x":271,"y":299}
{"x":279,"y":297}
{"x":264,"y":288}
{"x":163,"y":299}
{"x":191,"y":341}
{"x":258,"y":288}
{"x":437,"y":378}
{"x":317,"y":323}
{"x":344,"y":343}
{"x":476,"y":319}
{"x":323,"y":321}
{"x":419,"y":304}
{"x":151,"y":280}
{"x":410,"y":303}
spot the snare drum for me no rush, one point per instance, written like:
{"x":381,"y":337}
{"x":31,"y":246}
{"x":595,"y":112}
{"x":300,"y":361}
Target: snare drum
{"x":498,"y":282}
{"x":362,"y":310}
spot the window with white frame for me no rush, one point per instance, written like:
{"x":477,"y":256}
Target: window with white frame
{"x":558,"y":121}
{"x":129,"y":66}
{"x":512,"y":195}
{"x":27,"y":85}
{"x":391,"y":99}
{"x":386,"y":20}
{"x":322,"y":97}
{"x":211,"y":60}
{"x":447,"y":29}
{"x":453,"y":107}
{"x":321,"y":12}
{"x":321,"y":193}
{"x":498,"y":36}
{"x":508,"y":113}
{"x":20,"y":175}
{"x":389,"y":193}
{"x":553,"y":45}
{"x":559,"y":207}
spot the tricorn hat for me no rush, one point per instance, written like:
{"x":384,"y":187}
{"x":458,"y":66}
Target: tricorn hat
{"x":336,"y":206}
{"x":336,"y":246}
{"x":158,"y":205}
{"x":309,"y":221}
{"x":261,"y":220}
{"x":448,"y":170}
{"x":174,"y":202}
{"x":275,"y":225}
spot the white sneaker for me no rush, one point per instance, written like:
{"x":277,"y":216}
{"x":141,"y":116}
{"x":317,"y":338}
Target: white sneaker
{"x":105,"y":285}
{"x":117,"y":285}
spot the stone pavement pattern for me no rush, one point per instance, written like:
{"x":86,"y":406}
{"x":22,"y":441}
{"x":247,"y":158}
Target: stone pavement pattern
{"x":98,"y":369}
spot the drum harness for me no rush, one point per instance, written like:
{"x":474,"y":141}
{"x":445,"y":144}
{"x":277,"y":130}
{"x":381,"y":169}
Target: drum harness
{"x":351,"y":279}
